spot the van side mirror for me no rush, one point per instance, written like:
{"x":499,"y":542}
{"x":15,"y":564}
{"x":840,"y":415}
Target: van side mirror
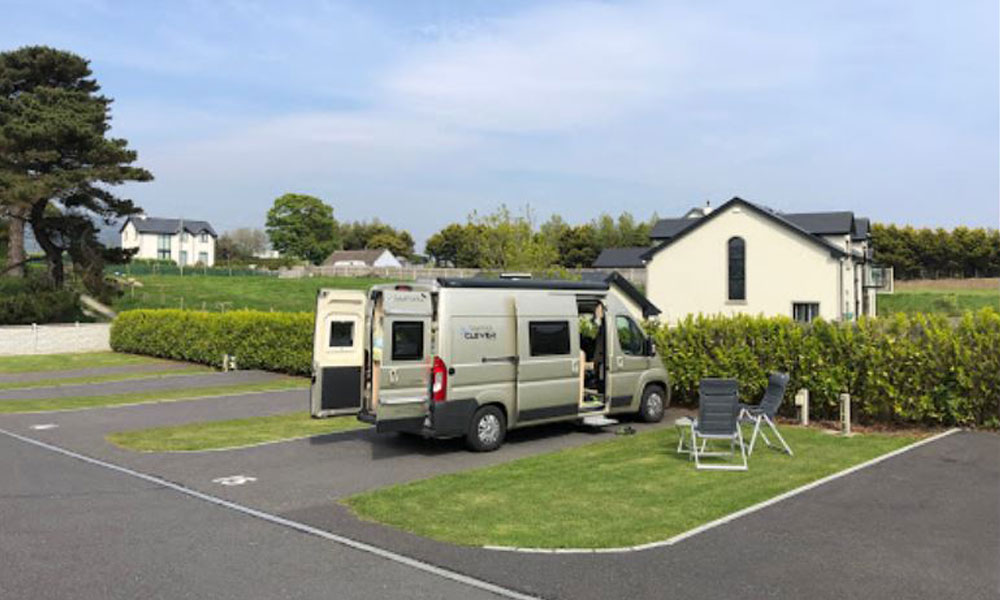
{"x":650,"y":347}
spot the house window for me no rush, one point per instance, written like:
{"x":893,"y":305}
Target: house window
{"x":184,"y":258}
{"x":630,"y":336}
{"x":737,"y":269}
{"x":163,"y":247}
{"x":804,"y":312}
{"x":203,"y":258}
{"x":407,"y":340}
{"x":204,"y":238}
{"x":548,"y":338}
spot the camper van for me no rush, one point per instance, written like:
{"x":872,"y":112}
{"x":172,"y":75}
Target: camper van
{"x":477,"y":357}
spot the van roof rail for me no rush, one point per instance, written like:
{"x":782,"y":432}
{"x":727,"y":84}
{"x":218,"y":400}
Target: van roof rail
{"x":526,"y":284}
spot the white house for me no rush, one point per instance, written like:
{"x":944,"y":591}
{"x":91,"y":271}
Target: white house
{"x":375,"y":257}
{"x":183,"y":241}
{"x":745,"y":258}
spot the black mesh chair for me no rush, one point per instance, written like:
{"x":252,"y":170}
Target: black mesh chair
{"x":718,"y":419}
{"x":765,"y":412}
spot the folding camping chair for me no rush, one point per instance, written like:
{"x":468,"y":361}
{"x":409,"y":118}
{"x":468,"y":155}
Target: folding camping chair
{"x":764,"y":413}
{"x":718,"y":419}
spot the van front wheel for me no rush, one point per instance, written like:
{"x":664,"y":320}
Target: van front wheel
{"x":487,"y":430}
{"x":654,"y":402}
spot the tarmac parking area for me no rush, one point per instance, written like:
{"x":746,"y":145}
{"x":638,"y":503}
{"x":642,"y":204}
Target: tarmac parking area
{"x":922,"y":524}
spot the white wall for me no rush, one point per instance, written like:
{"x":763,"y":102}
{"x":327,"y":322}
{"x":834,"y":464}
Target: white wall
{"x":55,"y":338}
{"x":691,"y":275}
{"x":387,"y":260}
{"x":149,"y":244}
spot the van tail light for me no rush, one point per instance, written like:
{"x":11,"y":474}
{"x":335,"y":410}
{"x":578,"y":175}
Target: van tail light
{"x":439,"y":380}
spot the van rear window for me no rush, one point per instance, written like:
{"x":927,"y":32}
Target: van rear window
{"x":341,"y":334}
{"x":408,"y":340}
{"x":548,"y":338}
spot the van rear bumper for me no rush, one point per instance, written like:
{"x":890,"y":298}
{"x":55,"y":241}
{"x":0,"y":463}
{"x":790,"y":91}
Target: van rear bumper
{"x":446,"y":419}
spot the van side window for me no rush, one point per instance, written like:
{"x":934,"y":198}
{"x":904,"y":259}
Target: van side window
{"x":408,"y":340}
{"x":548,"y":338}
{"x":341,"y":334}
{"x":630,"y":336}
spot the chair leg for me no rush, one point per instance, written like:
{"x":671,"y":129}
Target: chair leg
{"x":743,"y":450}
{"x":756,"y":432}
{"x":774,"y":428}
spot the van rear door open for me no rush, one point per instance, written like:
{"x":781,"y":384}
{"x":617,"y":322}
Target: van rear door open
{"x":404,"y":360}
{"x":338,"y":353}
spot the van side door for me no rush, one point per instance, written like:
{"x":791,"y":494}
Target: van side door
{"x":549,"y":380}
{"x":338,"y":353}
{"x":629,"y":361}
{"x":404,"y":375}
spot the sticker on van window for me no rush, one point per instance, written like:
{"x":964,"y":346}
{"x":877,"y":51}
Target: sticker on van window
{"x":478,"y":332}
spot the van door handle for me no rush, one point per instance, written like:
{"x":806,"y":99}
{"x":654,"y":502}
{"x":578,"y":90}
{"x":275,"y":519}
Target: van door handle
{"x":620,"y":361}
{"x":393,"y":376}
{"x":575,"y":366}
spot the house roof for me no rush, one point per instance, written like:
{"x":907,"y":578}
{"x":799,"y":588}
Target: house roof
{"x":862,"y":229}
{"x":367,"y":256}
{"x":773,"y":216}
{"x":668,"y":228}
{"x":648,"y":308}
{"x":172,"y":226}
{"x":621,"y":257}
{"x":823,"y":223}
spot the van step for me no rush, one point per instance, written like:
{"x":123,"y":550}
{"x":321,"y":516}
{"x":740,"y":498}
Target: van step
{"x":591,"y":406}
{"x":598,"y":421}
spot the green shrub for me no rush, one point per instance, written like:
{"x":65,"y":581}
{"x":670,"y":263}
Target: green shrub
{"x":279,"y":342}
{"x":918,"y":368}
{"x":31,"y":300}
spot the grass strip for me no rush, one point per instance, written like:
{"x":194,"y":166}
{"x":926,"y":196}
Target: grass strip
{"x":627,"y":491}
{"x":76,"y":402}
{"x":62,"y":362}
{"x":219,"y":435}
{"x":110,"y":377}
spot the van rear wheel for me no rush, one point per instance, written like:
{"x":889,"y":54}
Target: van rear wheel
{"x":487,"y":430}
{"x":654,"y":403}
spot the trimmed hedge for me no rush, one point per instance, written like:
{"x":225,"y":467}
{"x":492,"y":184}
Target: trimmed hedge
{"x":279,"y":342}
{"x":916,"y":369}
{"x":919,"y":368}
{"x":31,"y":300}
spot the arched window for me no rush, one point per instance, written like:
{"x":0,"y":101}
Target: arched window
{"x":737,"y":268}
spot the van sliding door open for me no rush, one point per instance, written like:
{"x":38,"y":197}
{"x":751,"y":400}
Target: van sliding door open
{"x":338,"y":353}
{"x":405,"y":361}
{"x":549,"y":370}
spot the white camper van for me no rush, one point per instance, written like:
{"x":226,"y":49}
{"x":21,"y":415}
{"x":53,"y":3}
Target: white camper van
{"x":476,"y":357}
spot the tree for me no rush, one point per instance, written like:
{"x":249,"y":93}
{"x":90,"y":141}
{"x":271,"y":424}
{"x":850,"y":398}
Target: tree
{"x":56,"y":163}
{"x":455,"y":246}
{"x":578,"y":247}
{"x":393,"y":243}
{"x":359,"y":235}
{"x":302,"y":226}
{"x":242,"y":243}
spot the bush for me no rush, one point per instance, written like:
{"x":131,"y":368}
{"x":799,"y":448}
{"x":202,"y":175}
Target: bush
{"x":917,"y":369}
{"x":31,"y":300}
{"x":279,"y":342}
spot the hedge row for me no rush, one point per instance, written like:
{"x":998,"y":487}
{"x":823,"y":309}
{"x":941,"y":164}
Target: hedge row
{"x":32,"y":300}
{"x":280,"y":342}
{"x":918,"y":369}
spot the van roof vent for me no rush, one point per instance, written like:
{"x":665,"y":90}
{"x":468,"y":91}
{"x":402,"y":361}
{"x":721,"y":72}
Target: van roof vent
{"x":515,"y":276}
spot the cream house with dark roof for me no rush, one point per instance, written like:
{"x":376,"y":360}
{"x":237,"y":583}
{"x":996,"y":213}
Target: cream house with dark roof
{"x":186,"y":242}
{"x":743,"y":258}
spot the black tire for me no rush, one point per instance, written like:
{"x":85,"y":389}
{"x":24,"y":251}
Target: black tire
{"x":487,"y":430}
{"x":653,"y":404}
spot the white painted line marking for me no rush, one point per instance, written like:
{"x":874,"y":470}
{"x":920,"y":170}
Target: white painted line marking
{"x":302,"y":527}
{"x":234,"y":480}
{"x":732,"y":516}
{"x":44,"y":426}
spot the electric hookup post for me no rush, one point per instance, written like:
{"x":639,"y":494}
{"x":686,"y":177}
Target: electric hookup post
{"x":802,"y":403}
{"x":845,"y":414}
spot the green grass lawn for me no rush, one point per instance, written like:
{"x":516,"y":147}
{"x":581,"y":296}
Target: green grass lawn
{"x":216,"y":293}
{"x":627,"y":491}
{"x":215,"y":435}
{"x":189,"y":370}
{"x":76,"y":402}
{"x":949,"y":302}
{"x":63,"y":362}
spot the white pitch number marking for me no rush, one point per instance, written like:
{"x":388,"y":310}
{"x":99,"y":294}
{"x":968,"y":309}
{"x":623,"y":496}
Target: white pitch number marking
{"x":234,"y":480}
{"x":44,"y":426}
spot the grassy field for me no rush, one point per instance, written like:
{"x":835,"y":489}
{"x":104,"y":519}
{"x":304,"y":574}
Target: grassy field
{"x":64,"y":362}
{"x":627,"y":491}
{"x":946,"y":296}
{"x":237,"y":292}
{"x":78,"y":402}
{"x":217,"y":435}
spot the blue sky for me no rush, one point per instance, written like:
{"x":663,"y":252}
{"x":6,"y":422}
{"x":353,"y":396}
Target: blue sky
{"x":418,"y":112}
